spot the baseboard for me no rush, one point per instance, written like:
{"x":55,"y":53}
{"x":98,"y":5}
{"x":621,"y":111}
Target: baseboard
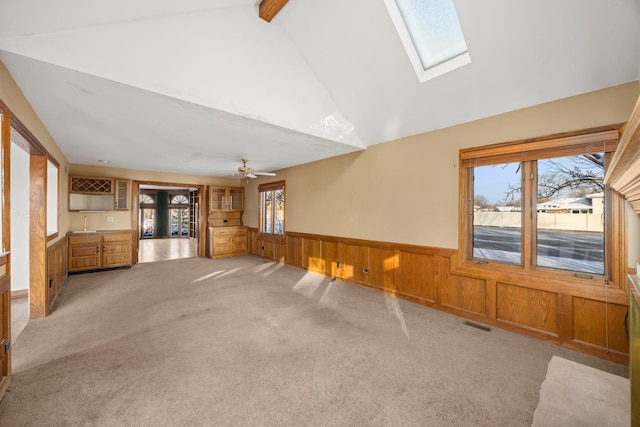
{"x":22,"y":293}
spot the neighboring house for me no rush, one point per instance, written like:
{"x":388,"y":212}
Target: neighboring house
{"x":593,"y":203}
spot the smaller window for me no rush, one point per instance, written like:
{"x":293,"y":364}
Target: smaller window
{"x":146,"y":199}
{"x":53,"y":179}
{"x":179,"y":200}
{"x":272,"y":208}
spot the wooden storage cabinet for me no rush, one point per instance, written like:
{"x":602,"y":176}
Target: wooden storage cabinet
{"x":99,"y":250}
{"x":87,"y":193}
{"x":226,"y":199}
{"x":122,"y":194}
{"x":228,"y":241}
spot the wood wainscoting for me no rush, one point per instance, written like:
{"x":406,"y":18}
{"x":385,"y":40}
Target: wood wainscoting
{"x":57,"y":270}
{"x":571,"y":313}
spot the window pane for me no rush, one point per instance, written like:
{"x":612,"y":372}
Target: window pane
{"x":497,"y":213}
{"x":266,"y":212}
{"x":279,"y":222}
{"x":173,"y":217}
{"x":570,"y":213}
{"x":434,"y":29}
{"x":52,"y":198}
{"x":184,"y":222}
{"x":148,"y":222}
{"x":146,"y":199}
{"x":179,"y":200}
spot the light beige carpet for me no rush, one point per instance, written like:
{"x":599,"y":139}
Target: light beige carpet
{"x":243,"y":342}
{"x":575,"y":395}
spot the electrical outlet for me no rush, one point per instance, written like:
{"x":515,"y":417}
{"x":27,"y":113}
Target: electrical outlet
{"x":109,"y":219}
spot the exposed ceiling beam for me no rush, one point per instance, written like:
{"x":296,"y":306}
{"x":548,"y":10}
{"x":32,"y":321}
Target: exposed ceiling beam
{"x":270,"y":8}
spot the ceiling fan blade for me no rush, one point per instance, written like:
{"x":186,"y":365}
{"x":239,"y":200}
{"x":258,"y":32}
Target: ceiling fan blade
{"x":251,"y":175}
{"x":264,"y":173}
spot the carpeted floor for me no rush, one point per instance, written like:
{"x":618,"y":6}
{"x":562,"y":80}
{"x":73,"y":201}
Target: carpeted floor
{"x":241,"y":341}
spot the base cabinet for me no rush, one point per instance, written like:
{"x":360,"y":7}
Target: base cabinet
{"x":228,"y":241}
{"x":99,"y":250}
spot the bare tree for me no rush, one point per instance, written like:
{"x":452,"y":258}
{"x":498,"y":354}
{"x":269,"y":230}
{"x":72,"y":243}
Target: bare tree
{"x":482,"y":202}
{"x":582,"y":176}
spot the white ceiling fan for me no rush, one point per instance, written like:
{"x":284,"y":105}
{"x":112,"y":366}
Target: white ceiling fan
{"x":247,"y":172}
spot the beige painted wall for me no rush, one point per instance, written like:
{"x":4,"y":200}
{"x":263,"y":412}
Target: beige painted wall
{"x":406,"y":191}
{"x":12,"y":96}
{"x":122,"y":219}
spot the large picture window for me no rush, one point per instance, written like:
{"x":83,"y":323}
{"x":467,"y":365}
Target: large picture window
{"x":272,"y":208}
{"x":540,"y":204}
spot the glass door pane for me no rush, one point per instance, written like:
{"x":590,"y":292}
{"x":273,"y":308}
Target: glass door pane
{"x":148,"y":223}
{"x":184,"y":222}
{"x":174,"y":215}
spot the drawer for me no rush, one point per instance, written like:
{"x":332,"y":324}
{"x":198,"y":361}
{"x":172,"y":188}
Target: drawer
{"x":83,"y":240}
{"x":239,"y":247}
{"x":239,"y":231}
{"x":222,"y":239}
{"x":221,"y":249}
{"x":117,"y":237}
{"x":221,"y":231}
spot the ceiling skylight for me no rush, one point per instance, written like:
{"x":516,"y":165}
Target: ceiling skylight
{"x":431,"y":34}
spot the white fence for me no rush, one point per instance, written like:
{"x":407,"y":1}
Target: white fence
{"x":550,"y":221}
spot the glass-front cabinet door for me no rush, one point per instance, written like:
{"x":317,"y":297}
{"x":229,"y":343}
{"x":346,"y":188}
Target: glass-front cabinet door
{"x":122,"y":194}
{"x":218,"y":198}
{"x":236,"y":199}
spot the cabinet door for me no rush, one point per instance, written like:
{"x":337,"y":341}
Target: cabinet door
{"x":217,"y":198}
{"x":116,"y":250}
{"x":84,"y":256}
{"x":236,"y":199}
{"x":122,"y":194}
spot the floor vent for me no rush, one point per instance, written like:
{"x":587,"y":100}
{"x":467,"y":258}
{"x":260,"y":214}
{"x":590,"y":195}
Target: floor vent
{"x":478,"y":326}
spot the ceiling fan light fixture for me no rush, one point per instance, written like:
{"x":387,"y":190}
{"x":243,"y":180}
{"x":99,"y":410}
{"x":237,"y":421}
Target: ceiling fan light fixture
{"x":247,"y":172}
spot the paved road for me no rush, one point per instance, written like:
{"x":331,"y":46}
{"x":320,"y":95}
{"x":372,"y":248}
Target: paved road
{"x":574,"y":250}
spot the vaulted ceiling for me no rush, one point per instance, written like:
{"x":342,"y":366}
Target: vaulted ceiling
{"x":195,"y":85}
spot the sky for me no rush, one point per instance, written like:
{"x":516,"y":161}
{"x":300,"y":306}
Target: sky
{"x":493,"y":181}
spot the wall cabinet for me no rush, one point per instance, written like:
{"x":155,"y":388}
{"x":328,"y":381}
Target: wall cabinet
{"x":228,"y":241}
{"x":122,"y":194}
{"x":99,"y":250}
{"x":88,"y":193}
{"x":229,"y":199}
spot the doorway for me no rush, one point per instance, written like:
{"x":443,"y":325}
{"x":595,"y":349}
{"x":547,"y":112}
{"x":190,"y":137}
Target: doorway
{"x":19,"y":217}
{"x":167,"y":220}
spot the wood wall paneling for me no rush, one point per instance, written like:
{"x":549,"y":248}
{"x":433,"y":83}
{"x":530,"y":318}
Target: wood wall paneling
{"x":526,"y":307}
{"x":465,"y":293}
{"x":293,"y":251}
{"x":312,"y":256}
{"x":57,"y":271}
{"x":383,"y":268}
{"x":600,"y":324}
{"x":417,"y":276}
{"x":353,"y":262}
{"x":330,"y":257}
